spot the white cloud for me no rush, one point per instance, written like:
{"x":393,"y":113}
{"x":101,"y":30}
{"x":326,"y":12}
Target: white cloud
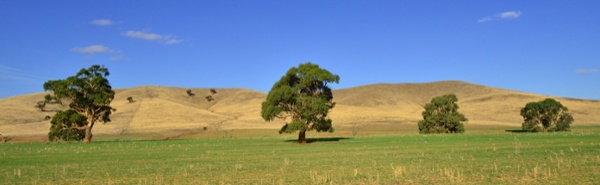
{"x":90,"y":51}
{"x":485,"y":19}
{"x":586,"y":71}
{"x":93,"y":49}
{"x":165,"y":39}
{"x":142,"y":35}
{"x":509,"y":15}
{"x":501,"y":16}
{"x":102,"y":22}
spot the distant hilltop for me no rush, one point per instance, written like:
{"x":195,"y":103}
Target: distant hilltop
{"x":155,"y":109}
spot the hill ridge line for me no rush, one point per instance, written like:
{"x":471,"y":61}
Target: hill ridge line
{"x":160,"y":109}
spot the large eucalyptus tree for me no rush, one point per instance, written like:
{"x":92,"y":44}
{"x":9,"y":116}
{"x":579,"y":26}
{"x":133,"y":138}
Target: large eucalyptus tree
{"x":89,"y":94}
{"x":302,"y":98}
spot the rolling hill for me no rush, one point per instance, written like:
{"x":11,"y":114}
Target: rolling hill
{"x":170,"y":111}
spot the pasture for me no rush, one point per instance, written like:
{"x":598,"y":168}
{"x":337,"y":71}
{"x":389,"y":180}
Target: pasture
{"x":480,"y":157}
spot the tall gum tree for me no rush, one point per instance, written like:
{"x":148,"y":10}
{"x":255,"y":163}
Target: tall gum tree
{"x":89,"y":93}
{"x":303,"y":98}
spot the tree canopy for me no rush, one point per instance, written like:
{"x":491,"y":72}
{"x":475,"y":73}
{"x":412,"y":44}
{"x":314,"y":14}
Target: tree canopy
{"x":548,"y":115}
{"x":303,"y":98}
{"x":441,"y":116}
{"x":89,"y":93}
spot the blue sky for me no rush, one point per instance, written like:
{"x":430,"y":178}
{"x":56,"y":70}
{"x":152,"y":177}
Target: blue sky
{"x":543,"y":47}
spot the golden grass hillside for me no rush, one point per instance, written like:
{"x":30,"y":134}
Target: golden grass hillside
{"x":170,"y":111}
{"x":403,"y":104}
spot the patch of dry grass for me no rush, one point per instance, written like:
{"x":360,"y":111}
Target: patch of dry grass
{"x":169,"y":110}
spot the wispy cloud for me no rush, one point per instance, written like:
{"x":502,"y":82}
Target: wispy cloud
{"x":170,"y":41}
{"x":142,"y":35}
{"x":102,"y":22}
{"x":586,"y":71}
{"x":117,"y":58}
{"x":90,"y":51}
{"x":13,"y":74}
{"x":485,"y":19}
{"x":165,"y":39}
{"x":93,"y":49}
{"x":509,"y":15}
{"x":500,"y":16}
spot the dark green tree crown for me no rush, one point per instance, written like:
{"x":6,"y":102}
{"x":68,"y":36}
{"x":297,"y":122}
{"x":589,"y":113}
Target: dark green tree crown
{"x":89,"y":90}
{"x":445,"y":104}
{"x":303,"y":95}
{"x":441,"y":116}
{"x":65,"y":125}
{"x":546,"y":115}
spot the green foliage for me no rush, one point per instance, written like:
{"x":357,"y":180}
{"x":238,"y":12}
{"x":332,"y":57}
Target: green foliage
{"x":213,"y":91}
{"x":47,"y":99}
{"x":548,"y":115}
{"x":52,"y":99}
{"x":66,"y":126}
{"x":130,"y":99}
{"x":190,"y":93}
{"x":41,"y":105}
{"x":302,"y":95}
{"x":89,"y":93}
{"x":209,"y":98}
{"x":441,"y":116}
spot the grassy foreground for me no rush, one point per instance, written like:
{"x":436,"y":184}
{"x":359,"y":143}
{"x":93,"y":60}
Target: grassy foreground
{"x":503,"y":158}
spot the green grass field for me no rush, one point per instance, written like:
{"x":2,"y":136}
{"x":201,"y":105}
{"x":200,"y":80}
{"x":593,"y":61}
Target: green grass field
{"x":478,"y":158}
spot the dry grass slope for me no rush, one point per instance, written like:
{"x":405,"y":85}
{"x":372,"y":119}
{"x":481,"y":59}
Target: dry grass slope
{"x":403,"y":103}
{"x":170,"y":111}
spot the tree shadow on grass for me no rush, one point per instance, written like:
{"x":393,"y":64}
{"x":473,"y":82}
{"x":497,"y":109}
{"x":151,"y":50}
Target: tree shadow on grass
{"x":519,"y":131}
{"x":322,"y":139}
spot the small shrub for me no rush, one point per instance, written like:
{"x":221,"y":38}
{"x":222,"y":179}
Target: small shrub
{"x":190,"y":93}
{"x":354,"y":129}
{"x":41,"y":105}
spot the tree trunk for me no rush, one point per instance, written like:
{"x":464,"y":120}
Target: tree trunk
{"x":302,"y":137}
{"x":88,"y":135}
